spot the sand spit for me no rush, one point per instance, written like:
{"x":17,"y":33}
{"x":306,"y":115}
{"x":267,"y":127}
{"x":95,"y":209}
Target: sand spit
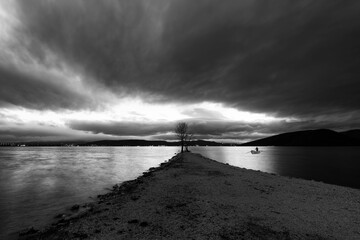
{"x":192,"y":197}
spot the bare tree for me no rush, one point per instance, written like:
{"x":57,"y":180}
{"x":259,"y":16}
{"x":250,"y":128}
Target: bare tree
{"x":181,"y":133}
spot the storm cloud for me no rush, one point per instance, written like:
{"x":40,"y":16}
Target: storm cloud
{"x":39,"y":90}
{"x":201,"y":129}
{"x":297,"y":61}
{"x":122,"y":128}
{"x":210,"y":128}
{"x":287,"y":58}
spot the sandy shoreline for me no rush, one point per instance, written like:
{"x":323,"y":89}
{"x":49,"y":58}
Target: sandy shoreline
{"x":192,"y":197}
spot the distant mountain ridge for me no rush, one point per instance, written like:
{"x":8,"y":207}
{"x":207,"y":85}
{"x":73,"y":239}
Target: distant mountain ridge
{"x":128,"y":142}
{"x":137,"y":142}
{"x":355,"y":134}
{"x":320,"y":137}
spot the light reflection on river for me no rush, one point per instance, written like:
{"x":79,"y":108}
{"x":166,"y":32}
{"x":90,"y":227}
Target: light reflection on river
{"x":335,"y":165}
{"x":38,"y":182}
{"x":240,"y":156}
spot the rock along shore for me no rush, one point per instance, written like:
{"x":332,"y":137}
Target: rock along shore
{"x":192,"y":197}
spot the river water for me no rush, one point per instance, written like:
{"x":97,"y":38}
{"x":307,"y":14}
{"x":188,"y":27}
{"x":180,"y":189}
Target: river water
{"x":36,"y":183}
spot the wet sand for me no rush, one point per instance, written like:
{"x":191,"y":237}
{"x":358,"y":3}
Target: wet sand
{"x":192,"y":197}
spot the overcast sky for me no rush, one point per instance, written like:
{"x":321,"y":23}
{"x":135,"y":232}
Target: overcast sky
{"x":234,"y":70}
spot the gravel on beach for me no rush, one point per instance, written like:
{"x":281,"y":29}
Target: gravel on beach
{"x":193,"y":197}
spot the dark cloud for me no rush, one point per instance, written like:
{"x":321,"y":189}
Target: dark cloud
{"x":11,"y":132}
{"x":122,"y":128}
{"x":110,"y":40}
{"x":22,"y":132}
{"x":207,"y":129}
{"x":27,"y":131}
{"x":288,"y":58}
{"x":295,"y":58}
{"x":38,"y":90}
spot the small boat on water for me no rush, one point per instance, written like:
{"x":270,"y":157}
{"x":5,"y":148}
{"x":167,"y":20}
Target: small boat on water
{"x":256,"y":151}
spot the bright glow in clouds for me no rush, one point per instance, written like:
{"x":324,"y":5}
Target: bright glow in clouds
{"x":67,"y":93}
{"x":112,"y":108}
{"x":7,"y":22}
{"x":6,"y":19}
{"x":233,"y":114}
{"x":133,"y":110}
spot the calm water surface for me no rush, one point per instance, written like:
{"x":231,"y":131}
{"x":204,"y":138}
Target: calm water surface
{"x":39,"y":182}
{"x":335,"y":165}
{"x":36,"y":183}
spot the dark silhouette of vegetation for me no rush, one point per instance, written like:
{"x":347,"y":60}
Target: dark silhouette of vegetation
{"x":181,"y":131}
{"x":153,"y":143}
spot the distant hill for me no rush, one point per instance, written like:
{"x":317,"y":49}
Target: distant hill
{"x":321,"y":137}
{"x":42,"y":144}
{"x":128,"y":143}
{"x":355,"y":134}
{"x":150,"y":143}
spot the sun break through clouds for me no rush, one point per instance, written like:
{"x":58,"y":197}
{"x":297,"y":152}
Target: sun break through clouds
{"x":294,"y":61}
